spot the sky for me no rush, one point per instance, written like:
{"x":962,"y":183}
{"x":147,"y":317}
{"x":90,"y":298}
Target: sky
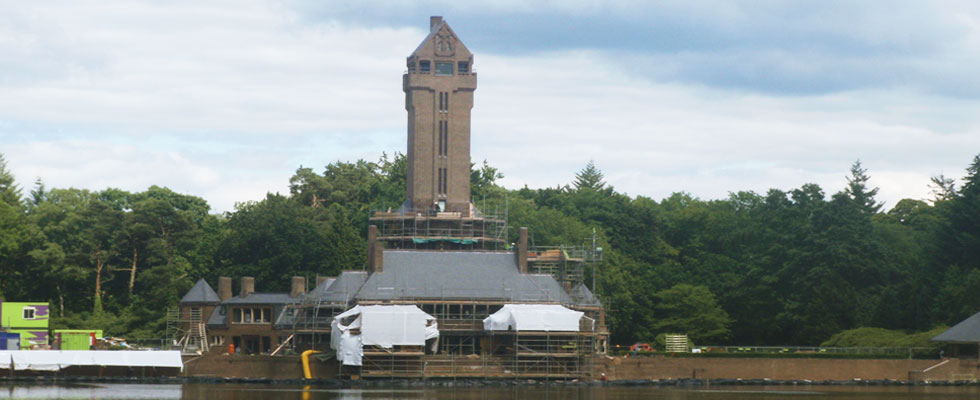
{"x":226,"y":99}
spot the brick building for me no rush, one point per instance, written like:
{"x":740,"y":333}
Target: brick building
{"x":437,"y":252}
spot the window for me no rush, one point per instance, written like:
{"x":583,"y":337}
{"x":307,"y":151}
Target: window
{"x":444,"y":101}
{"x":411,"y":67}
{"x":424,"y":66}
{"x":440,"y":137}
{"x":463,"y":67}
{"x":439,"y":188}
{"x":252,"y":316}
{"x":443,"y":138}
{"x":444,"y":68}
{"x":29,"y":312}
{"x":443,"y":177}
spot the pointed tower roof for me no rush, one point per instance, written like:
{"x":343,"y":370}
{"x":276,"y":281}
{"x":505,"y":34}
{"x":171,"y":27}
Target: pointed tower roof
{"x":201,"y":293}
{"x":441,"y":41}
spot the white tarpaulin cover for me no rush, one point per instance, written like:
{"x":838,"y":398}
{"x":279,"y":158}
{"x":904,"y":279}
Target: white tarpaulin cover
{"x":534,"y":317}
{"x":384,"y":326}
{"x":54,"y":360}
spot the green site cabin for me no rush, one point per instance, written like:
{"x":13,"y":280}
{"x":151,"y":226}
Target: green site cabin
{"x":75,"y":339}
{"x":29,"y":319}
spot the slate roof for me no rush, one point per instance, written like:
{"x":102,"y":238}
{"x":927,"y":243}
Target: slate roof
{"x":263,"y":298}
{"x":322,"y":287}
{"x":582,"y":296}
{"x":967,"y":331}
{"x":218,"y":317}
{"x":200,"y":293}
{"x":339,"y":290}
{"x":276,"y":300}
{"x":411,"y":274}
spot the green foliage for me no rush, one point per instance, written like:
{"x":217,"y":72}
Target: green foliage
{"x":692,"y":310}
{"x":857,"y":189}
{"x":277,"y":237}
{"x":824,"y":355}
{"x":9,"y":192}
{"x":483,"y":181}
{"x":791,"y":267}
{"x":879,"y":337}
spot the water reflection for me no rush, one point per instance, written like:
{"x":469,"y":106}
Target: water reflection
{"x":261,"y":392}
{"x":96,"y":391}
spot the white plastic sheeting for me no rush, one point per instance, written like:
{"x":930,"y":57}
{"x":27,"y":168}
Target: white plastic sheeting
{"x":534,"y":317}
{"x":385,"y":326}
{"x":54,"y":360}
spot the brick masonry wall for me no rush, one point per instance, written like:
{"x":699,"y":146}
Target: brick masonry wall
{"x":258,"y":366}
{"x":816,"y":369}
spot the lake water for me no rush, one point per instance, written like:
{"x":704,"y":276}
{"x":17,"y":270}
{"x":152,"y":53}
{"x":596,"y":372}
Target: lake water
{"x":256,"y":392}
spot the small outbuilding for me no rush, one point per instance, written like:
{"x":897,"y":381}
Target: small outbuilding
{"x":963,"y":338}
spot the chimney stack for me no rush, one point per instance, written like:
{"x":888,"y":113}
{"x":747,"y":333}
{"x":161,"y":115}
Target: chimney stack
{"x":522,"y":251}
{"x":224,"y":288}
{"x":375,"y":251}
{"x":320,"y":279}
{"x":298,"y":287}
{"x":248,"y":286}
{"x":434,"y":21}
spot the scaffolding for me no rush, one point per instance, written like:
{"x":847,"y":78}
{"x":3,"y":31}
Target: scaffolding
{"x":429,"y":229}
{"x":466,"y":350}
{"x":187,"y":331}
{"x":309,"y":321}
{"x":565,"y":263}
{"x":510,"y":355}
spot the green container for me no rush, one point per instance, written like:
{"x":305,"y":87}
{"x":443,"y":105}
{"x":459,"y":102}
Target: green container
{"x":76,"y":339}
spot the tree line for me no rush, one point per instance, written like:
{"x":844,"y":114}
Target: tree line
{"x":781,"y":268}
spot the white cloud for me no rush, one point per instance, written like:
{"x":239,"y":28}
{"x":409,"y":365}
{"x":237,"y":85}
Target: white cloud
{"x":558,"y":111}
{"x":226,"y":100}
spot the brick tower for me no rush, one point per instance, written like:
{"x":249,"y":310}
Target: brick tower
{"x":438,"y":213}
{"x":439,"y":88}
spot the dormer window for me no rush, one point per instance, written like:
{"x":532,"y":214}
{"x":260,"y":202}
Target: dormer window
{"x":424,"y":66}
{"x":444,"y":68}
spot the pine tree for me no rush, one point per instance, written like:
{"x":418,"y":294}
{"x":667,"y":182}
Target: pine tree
{"x":857,"y":189}
{"x":942,"y":188}
{"x":589,"y":178}
{"x":9,"y":192}
{"x":962,"y":240}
